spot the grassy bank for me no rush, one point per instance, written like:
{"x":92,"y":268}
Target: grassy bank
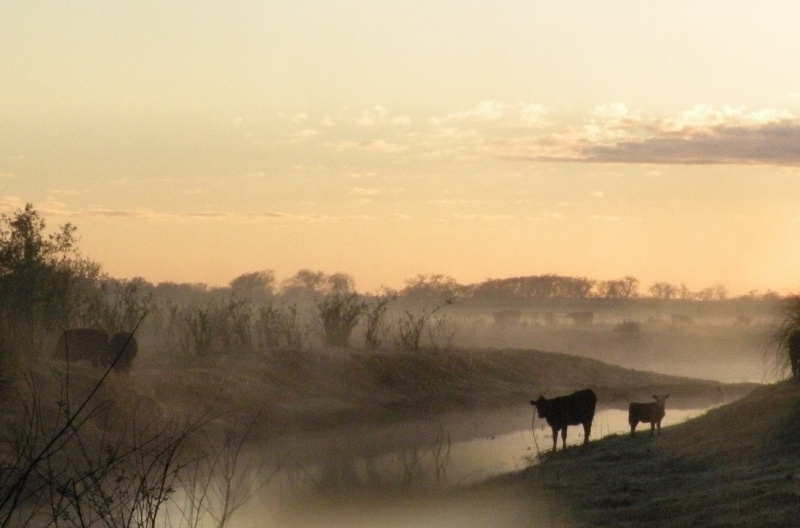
{"x":314,"y":390}
{"x":325,"y":392}
{"x":737,"y":465}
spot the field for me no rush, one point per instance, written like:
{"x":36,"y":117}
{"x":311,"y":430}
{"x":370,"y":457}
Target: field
{"x":324,"y":391}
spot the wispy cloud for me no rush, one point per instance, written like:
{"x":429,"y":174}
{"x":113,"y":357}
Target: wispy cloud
{"x":480,"y":217}
{"x":455,"y":201}
{"x":378,"y":145}
{"x":702,"y":135}
{"x":53,"y":207}
{"x":775,"y":144}
{"x":363,"y":191}
{"x":610,"y":133}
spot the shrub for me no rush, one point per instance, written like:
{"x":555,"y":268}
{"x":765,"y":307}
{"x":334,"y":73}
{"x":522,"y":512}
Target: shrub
{"x":340,"y":313}
{"x":788,"y":325}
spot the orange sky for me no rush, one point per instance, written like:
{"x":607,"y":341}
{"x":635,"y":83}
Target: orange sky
{"x":385,"y":140}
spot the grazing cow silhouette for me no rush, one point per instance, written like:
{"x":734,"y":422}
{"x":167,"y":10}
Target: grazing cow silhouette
{"x":121,"y":351}
{"x":793,"y":343}
{"x":576,"y":408}
{"x":651,"y":413}
{"x":82,"y":344}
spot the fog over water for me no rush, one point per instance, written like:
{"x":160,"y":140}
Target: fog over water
{"x":403,"y":474}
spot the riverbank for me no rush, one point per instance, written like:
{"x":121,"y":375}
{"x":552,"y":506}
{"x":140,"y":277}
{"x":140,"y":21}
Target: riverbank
{"x":737,"y":465}
{"x":324,"y":389}
{"x":349,"y":401}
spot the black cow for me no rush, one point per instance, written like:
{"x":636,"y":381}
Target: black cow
{"x":577,"y":408}
{"x":651,"y":413}
{"x":82,"y":344}
{"x":120,"y":351}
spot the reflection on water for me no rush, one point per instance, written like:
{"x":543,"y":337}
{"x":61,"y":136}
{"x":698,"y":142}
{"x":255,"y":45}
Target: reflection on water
{"x":354,"y":474}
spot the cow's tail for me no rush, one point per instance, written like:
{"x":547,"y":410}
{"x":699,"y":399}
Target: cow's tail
{"x":533,"y":432}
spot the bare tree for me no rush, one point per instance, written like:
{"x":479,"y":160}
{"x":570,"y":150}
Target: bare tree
{"x":411,"y":326}
{"x":374,"y":314}
{"x":340,"y":313}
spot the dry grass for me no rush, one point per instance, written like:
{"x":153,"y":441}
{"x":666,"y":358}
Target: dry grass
{"x":326,"y":388}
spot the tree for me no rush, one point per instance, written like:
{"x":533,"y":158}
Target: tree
{"x":787,"y":337}
{"x":717,"y":292}
{"x":411,"y":326}
{"x":256,"y":285}
{"x":304,"y":282}
{"x":436,"y":286}
{"x":310,"y":283}
{"x":340,"y":313}
{"x":663,"y":290}
{"x":375,"y":312}
{"x":625,"y":288}
{"x":35,"y":275}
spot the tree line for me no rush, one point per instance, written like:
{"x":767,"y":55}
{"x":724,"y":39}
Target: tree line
{"x":46,"y":285}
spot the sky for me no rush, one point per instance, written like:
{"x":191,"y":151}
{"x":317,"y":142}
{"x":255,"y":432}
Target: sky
{"x":197,"y":141}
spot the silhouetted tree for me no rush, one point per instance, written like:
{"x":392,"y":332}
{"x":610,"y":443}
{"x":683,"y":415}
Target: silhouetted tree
{"x":257,"y":285}
{"x":374,"y":313}
{"x":663,"y":290}
{"x":436,"y":286}
{"x":625,"y":288}
{"x":35,"y":274}
{"x":340,"y":313}
{"x":305,"y":282}
{"x":717,"y":292}
{"x":535,"y":287}
{"x":787,"y":336}
{"x":411,"y":326}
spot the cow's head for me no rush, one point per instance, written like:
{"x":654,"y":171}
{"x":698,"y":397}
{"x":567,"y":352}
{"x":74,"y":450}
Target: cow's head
{"x":661,"y":399}
{"x":541,"y":405}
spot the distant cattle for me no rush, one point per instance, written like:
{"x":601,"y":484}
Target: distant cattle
{"x":560,"y":412}
{"x":793,"y":342}
{"x":121,"y":351}
{"x":93,"y":345}
{"x":82,"y":344}
{"x":651,"y":413}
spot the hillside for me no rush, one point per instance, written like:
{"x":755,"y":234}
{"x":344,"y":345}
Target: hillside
{"x":737,"y":465}
{"x":320,"y":389}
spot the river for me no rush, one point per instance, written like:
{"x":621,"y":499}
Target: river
{"x":403,"y":474}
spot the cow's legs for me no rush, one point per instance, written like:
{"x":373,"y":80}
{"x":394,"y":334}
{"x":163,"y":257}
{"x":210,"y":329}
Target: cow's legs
{"x":555,"y":438}
{"x":633,"y":428}
{"x":653,"y":428}
{"x":564,"y":437}
{"x":587,"y":430}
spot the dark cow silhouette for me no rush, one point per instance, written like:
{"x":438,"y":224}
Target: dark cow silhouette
{"x":121,"y":351}
{"x":560,"y":412}
{"x":793,"y":343}
{"x":651,"y":413}
{"x":82,"y":344}
{"x":93,"y":345}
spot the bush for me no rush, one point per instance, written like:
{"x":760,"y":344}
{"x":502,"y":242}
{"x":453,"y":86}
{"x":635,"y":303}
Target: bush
{"x":36,"y":271}
{"x":786,"y":337}
{"x":340,"y":313}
